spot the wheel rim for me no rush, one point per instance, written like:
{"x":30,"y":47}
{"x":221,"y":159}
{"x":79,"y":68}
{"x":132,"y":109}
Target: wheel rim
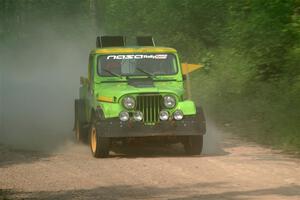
{"x":94,"y":140}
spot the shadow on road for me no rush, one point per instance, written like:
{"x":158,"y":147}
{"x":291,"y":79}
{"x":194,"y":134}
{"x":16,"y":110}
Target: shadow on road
{"x":206,"y":191}
{"x":10,"y":156}
{"x":155,"y":150}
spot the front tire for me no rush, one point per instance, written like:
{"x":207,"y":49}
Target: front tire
{"x":99,"y":145}
{"x":193,"y":145}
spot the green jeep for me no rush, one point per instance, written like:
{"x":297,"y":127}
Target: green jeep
{"x":135,"y":92}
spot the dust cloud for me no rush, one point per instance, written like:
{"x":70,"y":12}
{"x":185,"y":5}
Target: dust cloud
{"x":212,"y":140}
{"x":39,"y":80}
{"x":38,"y":84}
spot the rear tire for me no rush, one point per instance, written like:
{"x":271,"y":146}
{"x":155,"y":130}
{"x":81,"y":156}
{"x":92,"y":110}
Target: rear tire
{"x":193,"y":145}
{"x":78,"y":132}
{"x":99,"y":145}
{"x":81,"y":133}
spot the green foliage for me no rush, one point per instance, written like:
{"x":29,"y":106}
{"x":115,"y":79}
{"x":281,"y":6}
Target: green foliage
{"x":262,"y":111}
{"x":250,"y":50}
{"x":261,"y":30}
{"x":172,"y":23}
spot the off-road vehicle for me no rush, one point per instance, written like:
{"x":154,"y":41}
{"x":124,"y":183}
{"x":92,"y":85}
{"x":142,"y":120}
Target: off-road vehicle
{"x":134,"y":92}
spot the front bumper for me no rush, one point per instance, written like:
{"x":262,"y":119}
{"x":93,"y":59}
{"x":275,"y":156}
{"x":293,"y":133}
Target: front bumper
{"x":190,"y":125}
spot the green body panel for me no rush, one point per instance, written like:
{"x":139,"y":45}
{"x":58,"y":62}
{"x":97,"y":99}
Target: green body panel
{"x":188,"y":107}
{"x":111,"y":109}
{"x":115,"y":88}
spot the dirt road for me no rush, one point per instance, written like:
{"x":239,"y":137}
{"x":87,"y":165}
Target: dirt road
{"x":236,"y":170}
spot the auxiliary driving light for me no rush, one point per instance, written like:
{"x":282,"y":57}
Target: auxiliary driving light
{"x":138,"y":116}
{"x":178,"y":115}
{"x":124,"y":116}
{"x":164,"y":115}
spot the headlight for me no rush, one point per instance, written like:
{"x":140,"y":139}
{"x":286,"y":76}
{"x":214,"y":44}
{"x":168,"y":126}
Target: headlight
{"x":129,"y":102}
{"x":169,"y":101}
{"x":178,"y":115}
{"x":164,"y":115}
{"x":138,"y":116}
{"x":124,"y":116}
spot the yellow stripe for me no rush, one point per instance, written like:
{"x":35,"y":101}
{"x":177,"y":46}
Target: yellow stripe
{"x":105,"y":99}
{"x":135,"y":50}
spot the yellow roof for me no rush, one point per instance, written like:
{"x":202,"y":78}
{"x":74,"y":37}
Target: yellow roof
{"x":111,"y":50}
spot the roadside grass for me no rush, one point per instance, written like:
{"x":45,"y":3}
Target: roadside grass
{"x":265,"y":112}
{"x":3,"y":196}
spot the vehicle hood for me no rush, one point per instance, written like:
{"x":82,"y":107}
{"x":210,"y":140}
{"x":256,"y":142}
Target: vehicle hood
{"x":116,"y":90}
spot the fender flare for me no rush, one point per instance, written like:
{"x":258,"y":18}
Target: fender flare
{"x":97,"y":113}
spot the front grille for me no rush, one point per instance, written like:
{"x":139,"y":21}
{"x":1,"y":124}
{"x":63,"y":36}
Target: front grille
{"x":150,"y":105}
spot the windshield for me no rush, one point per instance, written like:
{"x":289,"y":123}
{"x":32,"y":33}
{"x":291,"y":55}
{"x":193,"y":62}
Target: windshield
{"x":137,"y":65}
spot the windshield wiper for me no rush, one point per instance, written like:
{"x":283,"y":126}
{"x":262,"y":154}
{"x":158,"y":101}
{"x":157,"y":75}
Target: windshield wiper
{"x":145,"y":72}
{"x":112,"y":73}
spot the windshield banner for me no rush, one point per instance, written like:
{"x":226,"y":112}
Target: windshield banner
{"x":137,"y":56}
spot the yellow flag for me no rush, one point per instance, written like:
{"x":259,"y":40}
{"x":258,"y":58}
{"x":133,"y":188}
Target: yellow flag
{"x":188,"y":68}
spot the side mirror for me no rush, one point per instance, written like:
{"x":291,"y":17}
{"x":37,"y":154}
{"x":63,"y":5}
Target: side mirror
{"x":84,"y":81}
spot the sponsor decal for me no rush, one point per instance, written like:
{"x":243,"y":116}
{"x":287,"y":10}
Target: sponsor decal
{"x":137,"y":56}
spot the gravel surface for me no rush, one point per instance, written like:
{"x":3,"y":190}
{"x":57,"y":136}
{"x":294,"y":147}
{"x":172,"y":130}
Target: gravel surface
{"x":234,"y":170}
